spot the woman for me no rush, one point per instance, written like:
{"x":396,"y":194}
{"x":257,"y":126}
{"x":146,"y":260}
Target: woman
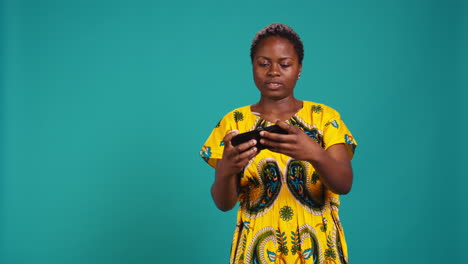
{"x":289,"y":192}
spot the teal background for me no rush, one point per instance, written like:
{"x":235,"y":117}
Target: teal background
{"x":105,"y":105}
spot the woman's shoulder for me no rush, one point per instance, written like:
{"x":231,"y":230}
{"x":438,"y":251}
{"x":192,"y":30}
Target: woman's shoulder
{"x":238,"y":112}
{"x":242,"y":109}
{"x":237,"y":115}
{"x":319,"y":108}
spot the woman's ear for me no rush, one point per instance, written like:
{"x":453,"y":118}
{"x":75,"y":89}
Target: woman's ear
{"x":300,"y":71}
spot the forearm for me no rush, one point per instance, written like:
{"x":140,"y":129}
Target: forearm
{"x":336,"y":174}
{"x":224,"y":190}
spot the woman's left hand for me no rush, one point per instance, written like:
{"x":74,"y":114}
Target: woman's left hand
{"x":333,"y":165}
{"x":296,"y":144}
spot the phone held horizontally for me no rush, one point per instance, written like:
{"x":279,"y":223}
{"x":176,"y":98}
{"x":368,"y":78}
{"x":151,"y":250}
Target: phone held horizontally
{"x":255,"y":134}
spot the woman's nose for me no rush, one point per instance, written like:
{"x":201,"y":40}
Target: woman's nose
{"x":274,"y":70}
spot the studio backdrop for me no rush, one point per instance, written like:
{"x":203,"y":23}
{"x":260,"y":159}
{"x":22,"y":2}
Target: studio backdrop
{"x":106,"y":104}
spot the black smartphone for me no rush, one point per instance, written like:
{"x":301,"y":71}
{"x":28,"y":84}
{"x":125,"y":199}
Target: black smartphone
{"x":255,"y":134}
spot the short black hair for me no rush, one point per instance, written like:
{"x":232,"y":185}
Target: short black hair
{"x":280,"y":30}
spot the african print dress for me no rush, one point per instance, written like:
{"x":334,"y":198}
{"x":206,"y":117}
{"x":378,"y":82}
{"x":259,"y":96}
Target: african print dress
{"x":286,"y":214}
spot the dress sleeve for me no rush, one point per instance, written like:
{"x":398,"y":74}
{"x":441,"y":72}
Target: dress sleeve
{"x":212,"y":150}
{"x":336,"y":132}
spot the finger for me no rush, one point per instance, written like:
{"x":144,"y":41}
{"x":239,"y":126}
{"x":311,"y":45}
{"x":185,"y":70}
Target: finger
{"x":249,"y":154}
{"x":286,"y":126}
{"x":270,"y":144}
{"x":280,"y":147}
{"x":273,"y":136}
{"x":229,"y":136}
{"x":246,"y":145}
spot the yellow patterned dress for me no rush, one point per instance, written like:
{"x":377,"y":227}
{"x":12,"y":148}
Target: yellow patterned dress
{"x":286,"y":214}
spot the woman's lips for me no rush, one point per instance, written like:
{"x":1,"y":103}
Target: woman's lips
{"x":273,"y":85}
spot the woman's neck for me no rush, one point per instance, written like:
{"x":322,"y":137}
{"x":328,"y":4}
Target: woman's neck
{"x":272,"y":110}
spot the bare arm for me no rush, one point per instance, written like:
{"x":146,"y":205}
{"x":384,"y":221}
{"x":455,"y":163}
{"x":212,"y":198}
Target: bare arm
{"x":332,"y":165}
{"x":224,"y":189}
{"x":334,"y":168}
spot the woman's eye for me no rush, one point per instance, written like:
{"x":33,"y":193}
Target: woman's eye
{"x":263,"y":64}
{"x":285,"y":65}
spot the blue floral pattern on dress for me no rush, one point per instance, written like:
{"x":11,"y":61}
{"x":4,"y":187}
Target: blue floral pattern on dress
{"x":206,"y":153}
{"x":334,"y":124}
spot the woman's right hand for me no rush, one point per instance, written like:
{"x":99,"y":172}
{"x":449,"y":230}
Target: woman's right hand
{"x":235,"y":158}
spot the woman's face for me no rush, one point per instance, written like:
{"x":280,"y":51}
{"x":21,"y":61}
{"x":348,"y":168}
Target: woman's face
{"x":276,"y":68}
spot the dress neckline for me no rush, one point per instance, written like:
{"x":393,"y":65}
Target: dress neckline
{"x":257,"y":114}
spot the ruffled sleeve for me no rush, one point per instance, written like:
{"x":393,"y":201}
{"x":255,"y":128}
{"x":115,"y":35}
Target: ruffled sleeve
{"x":335,"y":132}
{"x":212,"y":150}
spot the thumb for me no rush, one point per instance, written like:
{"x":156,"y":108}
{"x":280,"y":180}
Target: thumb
{"x":229,"y":136}
{"x":285,"y":126}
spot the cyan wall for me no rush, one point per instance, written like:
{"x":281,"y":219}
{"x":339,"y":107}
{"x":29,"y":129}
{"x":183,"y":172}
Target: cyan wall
{"x":105,"y":105}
